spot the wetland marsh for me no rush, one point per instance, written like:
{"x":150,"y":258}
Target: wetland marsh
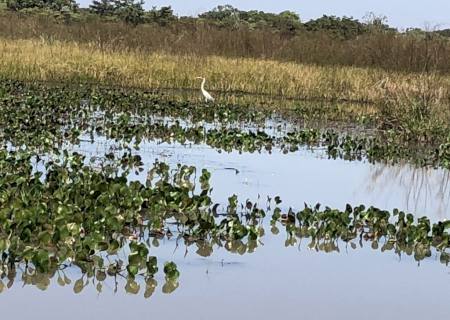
{"x":130,"y":202}
{"x":315,"y":184}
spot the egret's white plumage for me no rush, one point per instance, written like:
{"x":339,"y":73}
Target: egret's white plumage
{"x":205,"y":93}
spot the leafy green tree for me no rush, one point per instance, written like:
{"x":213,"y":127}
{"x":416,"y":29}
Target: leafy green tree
{"x":444,"y":32}
{"x":103,"y":7}
{"x":130,"y":11}
{"x":162,"y":16}
{"x":286,"y":21}
{"x":221,"y":13}
{"x":345,"y":27}
{"x":57,"y":5}
{"x":224,"y":16}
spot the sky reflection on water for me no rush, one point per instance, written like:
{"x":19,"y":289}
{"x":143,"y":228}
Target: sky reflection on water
{"x":306,"y":177}
{"x":275,"y":281}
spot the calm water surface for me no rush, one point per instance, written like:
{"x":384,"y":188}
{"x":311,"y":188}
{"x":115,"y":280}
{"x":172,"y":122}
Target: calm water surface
{"x":306,"y":176}
{"x":275,"y":281}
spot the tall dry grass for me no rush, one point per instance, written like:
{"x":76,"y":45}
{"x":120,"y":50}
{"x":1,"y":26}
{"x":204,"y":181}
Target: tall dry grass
{"x":389,"y":51}
{"x":57,"y":61}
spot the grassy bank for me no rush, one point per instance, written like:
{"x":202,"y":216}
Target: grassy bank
{"x":66,"y":61}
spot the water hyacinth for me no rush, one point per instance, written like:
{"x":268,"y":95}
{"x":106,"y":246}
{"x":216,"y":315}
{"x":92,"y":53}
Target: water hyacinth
{"x":63,"y":209}
{"x":46,"y":119}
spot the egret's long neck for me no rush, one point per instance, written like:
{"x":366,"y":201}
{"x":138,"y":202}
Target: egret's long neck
{"x":203,"y":83}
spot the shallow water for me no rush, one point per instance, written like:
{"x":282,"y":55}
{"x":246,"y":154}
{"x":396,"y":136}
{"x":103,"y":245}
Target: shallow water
{"x":307,"y":176}
{"x":275,"y":281}
{"x":272,"y":282}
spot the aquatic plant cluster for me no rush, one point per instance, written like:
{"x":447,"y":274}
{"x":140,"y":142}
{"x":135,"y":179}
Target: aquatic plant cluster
{"x":79,"y":216}
{"x":397,"y":231}
{"x":60,"y":208}
{"x":44,"y":118}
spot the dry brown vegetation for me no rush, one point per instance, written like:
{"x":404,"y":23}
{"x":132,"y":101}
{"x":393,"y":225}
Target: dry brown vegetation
{"x":68,"y":61}
{"x":385,"y":50}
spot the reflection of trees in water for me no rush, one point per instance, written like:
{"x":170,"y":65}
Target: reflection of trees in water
{"x":425,"y":190}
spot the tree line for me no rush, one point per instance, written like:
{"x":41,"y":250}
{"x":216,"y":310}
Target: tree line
{"x":128,"y":11}
{"x":225,"y":16}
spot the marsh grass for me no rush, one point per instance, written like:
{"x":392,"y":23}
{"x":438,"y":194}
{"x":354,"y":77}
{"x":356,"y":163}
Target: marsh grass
{"x":394,"y":51}
{"x":419,"y":109}
{"x":51,"y":60}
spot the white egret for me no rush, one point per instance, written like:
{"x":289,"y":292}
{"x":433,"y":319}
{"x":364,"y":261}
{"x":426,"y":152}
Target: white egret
{"x":206,"y":94}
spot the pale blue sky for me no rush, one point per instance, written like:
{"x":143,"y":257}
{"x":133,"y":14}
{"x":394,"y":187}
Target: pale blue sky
{"x":400,"y":13}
